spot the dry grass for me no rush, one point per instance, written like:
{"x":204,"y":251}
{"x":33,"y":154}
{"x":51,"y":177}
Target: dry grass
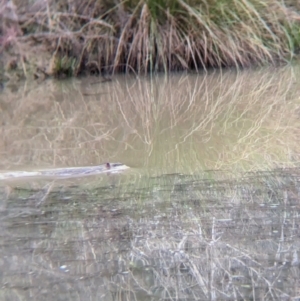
{"x":153,"y":35}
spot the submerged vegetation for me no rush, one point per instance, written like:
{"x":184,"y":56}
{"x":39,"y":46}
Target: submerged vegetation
{"x":146,"y":35}
{"x":174,"y":237}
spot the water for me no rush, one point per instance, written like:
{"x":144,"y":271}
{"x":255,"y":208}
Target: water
{"x":208,"y":211}
{"x":182,"y":123}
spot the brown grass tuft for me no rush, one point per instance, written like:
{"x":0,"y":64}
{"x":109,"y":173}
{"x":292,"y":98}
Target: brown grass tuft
{"x":153,"y":35}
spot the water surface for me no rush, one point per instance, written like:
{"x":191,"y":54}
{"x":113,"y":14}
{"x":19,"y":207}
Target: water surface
{"x":180,"y":123}
{"x":208,"y":211}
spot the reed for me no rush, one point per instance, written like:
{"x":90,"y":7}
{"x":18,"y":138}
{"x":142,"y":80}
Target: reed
{"x":155,"y":35}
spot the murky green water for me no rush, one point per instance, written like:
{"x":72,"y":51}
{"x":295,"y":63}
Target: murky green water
{"x":208,"y":211}
{"x":181,"y":123}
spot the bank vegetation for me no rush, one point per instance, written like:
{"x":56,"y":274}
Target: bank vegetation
{"x":68,"y":38}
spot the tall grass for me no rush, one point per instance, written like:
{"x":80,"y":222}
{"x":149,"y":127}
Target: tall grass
{"x":156,"y":35}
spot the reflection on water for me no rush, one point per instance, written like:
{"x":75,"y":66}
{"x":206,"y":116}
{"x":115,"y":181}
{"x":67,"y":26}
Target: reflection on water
{"x":165,"y":229}
{"x":181,"y":123}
